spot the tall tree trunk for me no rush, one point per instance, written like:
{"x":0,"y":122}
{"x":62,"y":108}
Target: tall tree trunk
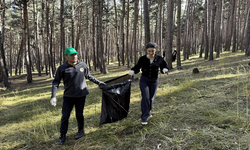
{"x":3,"y":35}
{"x":169,"y":34}
{"x":248,"y":36}
{"x":244,"y":17}
{"x":72,"y":24}
{"x":53,"y":38}
{"x":3,"y":67}
{"x":186,"y":32}
{"x":136,"y":12}
{"x":88,"y":37}
{"x":38,"y":61}
{"x":158,"y":29}
{"x":217,"y":28}
{"x":27,"y":42}
{"x":107,"y":35}
{"x":146,"y":23}
{"x":103,"y":67}
{"x":79,"y":25}
{"x":211,"y":57}
{"x":229,"y":30}
{"x":117,"y":36}
{"x":46,"y":41}
{"x":206,"y":47}
{"x":122,"y":33}
{"x":52,"y":24}
{"x":178,"y":40}
{"x":49,"y":41}
{"x":19,"y":57}
{"x":127,"y":36}
{"x":62,"y":32}
{"x":239,"y":43}
{"x":10,"y":53}
{"x":234,"y":27}
{"x":93,"y":36}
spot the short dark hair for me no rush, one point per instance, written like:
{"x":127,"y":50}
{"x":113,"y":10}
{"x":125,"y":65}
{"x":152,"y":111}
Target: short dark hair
{"x":151,"y":45}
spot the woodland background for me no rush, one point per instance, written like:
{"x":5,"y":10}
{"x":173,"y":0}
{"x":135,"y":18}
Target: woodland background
{"x":35,"y":33}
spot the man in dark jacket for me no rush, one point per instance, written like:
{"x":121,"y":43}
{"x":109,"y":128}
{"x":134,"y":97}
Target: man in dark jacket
{"x":74,"y":74}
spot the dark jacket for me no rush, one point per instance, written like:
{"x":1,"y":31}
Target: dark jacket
{"x":74,"y":80}
{"x":150,"y":69}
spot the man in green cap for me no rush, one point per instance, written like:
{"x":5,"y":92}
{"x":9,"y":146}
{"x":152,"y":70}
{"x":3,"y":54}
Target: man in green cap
{"x":74,"y":74}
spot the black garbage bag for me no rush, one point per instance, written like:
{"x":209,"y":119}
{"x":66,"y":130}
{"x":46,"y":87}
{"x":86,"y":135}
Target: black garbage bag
{"x":115,"y":99}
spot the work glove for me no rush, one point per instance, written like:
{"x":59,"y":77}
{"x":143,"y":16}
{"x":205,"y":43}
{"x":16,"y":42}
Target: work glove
{"x":101,"y":84}
{"x":53,"y":101}
{"x":131,"y":72}
{"x":165,"y":70}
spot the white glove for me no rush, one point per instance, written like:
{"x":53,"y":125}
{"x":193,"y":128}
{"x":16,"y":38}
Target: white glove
{"x":131,"y":72}
{"x":53,"y":101}
{"x":165,"y":70}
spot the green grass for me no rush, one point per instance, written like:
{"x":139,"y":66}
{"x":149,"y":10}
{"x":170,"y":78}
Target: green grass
{"x":209,"y":110}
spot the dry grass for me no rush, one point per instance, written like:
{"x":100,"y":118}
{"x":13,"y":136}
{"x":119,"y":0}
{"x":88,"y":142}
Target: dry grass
{"x":208,"y":110}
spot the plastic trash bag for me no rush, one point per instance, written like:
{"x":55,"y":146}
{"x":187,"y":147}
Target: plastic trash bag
{"x":115,"y":99}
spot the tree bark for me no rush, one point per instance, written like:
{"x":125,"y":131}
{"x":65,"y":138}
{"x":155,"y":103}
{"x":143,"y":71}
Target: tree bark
{"x":117,"y":36}
{"x":234,"y":36}
{"x":72,"y":25}
{"x":102,"y":63}
{"x":79,"y":26}
{"x":213,"y":10}
{"x":52,"y":25}
{"x":38,"y":61}
{"x":248,"y":36}
{"x":93,"y":36}
{"x":27,"y":42}
{"x":3,"y":67}
{"x":169,"y":34}
{"x":62,"y":32}
{"x":229,"y":30}
{"x":217,"y":28}
{"x":178,"y":40}
{"x":49,"y":41}
{"x":122,"y":33}
{"x":206,"y":47}
{"x":136,"y":12}
{"x":127,"y":36}
{"x":146,"y":23}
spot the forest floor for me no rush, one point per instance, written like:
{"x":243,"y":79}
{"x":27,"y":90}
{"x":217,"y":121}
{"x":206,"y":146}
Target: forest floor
{"x":207,"y":110}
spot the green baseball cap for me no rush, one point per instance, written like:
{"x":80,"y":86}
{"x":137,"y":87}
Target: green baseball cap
{"x":70,"y":51}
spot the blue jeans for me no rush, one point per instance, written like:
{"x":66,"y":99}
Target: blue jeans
{"x":148,"y":87}
{"x":68,"y":104}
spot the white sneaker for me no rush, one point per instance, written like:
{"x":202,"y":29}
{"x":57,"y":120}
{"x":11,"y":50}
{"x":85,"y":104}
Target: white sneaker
{"x":150,"y":116}
{"x":144,"y":123}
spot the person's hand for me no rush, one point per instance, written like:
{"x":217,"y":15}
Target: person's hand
{"x":131,"y":72}
{"x":102,"y":84}
{"x":165,"y":70}
{"x":53,"y":101}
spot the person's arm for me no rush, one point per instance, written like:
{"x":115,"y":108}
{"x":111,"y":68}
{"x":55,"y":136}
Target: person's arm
{"x":163,"y":66}
{"x":55,"y":86}
{"x":90,"y":77}
{"x":56,"y":82}
{"x":138,"y":66}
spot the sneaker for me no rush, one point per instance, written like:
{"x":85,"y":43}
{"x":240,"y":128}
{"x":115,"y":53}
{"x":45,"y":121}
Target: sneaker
{"x":144,"y":122}
{"x":61,"y":140}
{"x":79,"y":135}
{"x":150,"y":116}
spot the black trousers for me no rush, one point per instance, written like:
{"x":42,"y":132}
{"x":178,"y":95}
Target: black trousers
{"x":148,"y":87}
{"x":68,"y":104}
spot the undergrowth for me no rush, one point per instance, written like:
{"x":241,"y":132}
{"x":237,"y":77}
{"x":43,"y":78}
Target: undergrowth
{"x":208,"y":110}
